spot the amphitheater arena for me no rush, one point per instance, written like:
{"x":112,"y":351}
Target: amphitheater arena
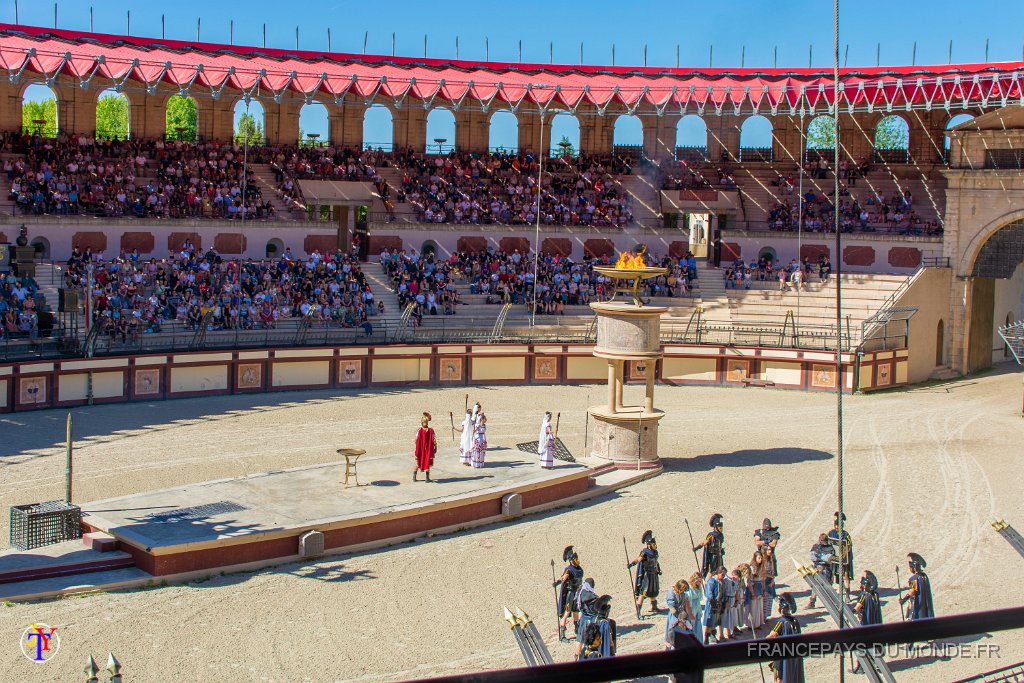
{"x":925,"y":295}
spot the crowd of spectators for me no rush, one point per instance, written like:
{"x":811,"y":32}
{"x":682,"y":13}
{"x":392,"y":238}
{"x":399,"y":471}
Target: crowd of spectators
{"x":19,"y":317}
{"x":741,"y":274}
{"x":77,"y":174}
{"x":431,"y":283}
{"x":894,"y":213}
{"x":134,"y":296}
{"x":468,"y":188}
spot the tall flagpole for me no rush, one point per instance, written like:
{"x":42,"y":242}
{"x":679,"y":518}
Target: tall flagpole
{"x":536,"y":239}
{"x":839,"y":326}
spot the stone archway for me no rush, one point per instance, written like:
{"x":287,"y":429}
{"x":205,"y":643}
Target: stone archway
{"x":986,"y":260}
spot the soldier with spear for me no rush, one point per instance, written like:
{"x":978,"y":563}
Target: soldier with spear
{"x":648,"y":571}
{"x":714,"y":547}
{"x":569,"y":585}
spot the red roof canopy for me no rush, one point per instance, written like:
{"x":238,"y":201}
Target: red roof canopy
{"x":197,"y":66}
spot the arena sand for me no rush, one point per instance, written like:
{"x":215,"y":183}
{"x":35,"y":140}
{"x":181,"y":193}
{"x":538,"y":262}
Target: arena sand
{"x":927,"y":470}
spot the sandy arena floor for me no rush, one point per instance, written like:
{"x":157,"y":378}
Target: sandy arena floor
{"x":926,"y":470}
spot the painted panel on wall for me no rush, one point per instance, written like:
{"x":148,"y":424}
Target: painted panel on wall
{"x":104,"y":385}
{"x":783,"y":373}
{"x":199,"y":378}
{"x":487,"y":369}
{"x":399,"y":370}
{"x":689,"y":369}
{"x":3,"y":393}
{"x":301,"y":374}
{"x":586,"y":368}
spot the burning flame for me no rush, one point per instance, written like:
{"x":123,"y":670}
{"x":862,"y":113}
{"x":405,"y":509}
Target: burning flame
{"x":630,"y":261}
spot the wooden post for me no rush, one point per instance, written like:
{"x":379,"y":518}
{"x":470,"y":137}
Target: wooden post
{"x":67,"y":465}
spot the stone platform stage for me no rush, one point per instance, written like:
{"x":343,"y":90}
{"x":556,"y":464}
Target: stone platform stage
{"x":257,"y":520}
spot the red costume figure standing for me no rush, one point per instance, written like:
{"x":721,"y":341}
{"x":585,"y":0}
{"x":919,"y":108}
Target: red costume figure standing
{"x":426,"y":448}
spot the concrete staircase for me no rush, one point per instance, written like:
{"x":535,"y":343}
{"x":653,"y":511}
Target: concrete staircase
{"x":863,"y":295}
{"x":263,"y":178}
{"x":644,"y":199}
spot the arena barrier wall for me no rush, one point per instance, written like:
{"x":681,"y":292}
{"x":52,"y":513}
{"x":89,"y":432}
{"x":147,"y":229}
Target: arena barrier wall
{"x":156,"y":377}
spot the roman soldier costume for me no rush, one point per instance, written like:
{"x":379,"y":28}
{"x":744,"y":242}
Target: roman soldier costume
{"x":569,"y":588}
{"x":842,"y":560}
{"x":647,"y":584}
{"x":788,"y":670}
{"x":869,"y":607}
{"x":609,"y":631}
{"x":714,"y":547}
{"x":920,"y":596}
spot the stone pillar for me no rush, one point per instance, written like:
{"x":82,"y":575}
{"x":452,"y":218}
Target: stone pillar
{"x":596,"y":134}
{"x":10,"y":106}
{"x":347,"y":124}
{"x":620,"y":372}
{"x":611,"y":386}
{"x":660,"y":135}
{"x":148,"y":116}
{"x":530,"y":133}
{"x":649,"y":389}
{"x":410,"y":124}
{"x":472,"y":131}
{"x":341,"y":214}
{"x":723,"y":136}
{"x":215,"y":119}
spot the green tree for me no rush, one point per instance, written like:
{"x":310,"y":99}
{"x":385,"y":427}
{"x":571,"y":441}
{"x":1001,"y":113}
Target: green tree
{"x":112,"y":116}
{"x":892,"y":132}
{"x":566,"y":145}
{"x":249,"y":130}
{"x":181,"y":113}
{"x":821,"y":133}
{"x":40,"y":110}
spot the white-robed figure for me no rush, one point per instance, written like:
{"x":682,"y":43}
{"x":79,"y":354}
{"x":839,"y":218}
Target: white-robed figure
{"x":479,"y":453}
{"x":546,"y":443}
{"x":468,"y":430}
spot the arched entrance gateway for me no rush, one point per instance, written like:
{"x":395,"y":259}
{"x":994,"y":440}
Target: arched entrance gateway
{"x":983,"y":235}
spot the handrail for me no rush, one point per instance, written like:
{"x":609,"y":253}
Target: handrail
{"x":690,"y":659}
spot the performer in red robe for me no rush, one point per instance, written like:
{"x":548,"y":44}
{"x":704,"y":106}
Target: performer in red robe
{"x":426,"y":448}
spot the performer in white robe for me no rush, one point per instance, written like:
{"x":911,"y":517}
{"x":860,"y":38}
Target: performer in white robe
{"x":468,"y":430}
{"x":546,"y":443}
{"x":479,"y":453}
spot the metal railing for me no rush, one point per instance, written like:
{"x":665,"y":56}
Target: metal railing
{"x":757,"y":154}
{"x":689,"y":660}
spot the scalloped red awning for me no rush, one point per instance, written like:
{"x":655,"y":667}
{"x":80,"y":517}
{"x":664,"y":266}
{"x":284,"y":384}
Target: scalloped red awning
{"x":188,"y":66}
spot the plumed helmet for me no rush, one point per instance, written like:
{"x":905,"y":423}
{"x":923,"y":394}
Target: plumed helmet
{"x":869,"y":581}
{"x":916,"y":562}
{"x":648,"y":537}
{"x":604,"y":605}
{"x":427,"y":417}
{"x":716,"y":520}
{"x":569,"y":553}
{"x":787,"y":603}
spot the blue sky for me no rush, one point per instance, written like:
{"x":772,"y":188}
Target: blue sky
{"x":727,"y":25}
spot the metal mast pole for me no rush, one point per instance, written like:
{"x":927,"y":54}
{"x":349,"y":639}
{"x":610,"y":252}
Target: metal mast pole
{"x":536,"y":240}
{"x":839,"y":323}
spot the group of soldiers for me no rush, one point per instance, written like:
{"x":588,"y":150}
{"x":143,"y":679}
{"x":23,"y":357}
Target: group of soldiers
{"x":832,"y":556}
